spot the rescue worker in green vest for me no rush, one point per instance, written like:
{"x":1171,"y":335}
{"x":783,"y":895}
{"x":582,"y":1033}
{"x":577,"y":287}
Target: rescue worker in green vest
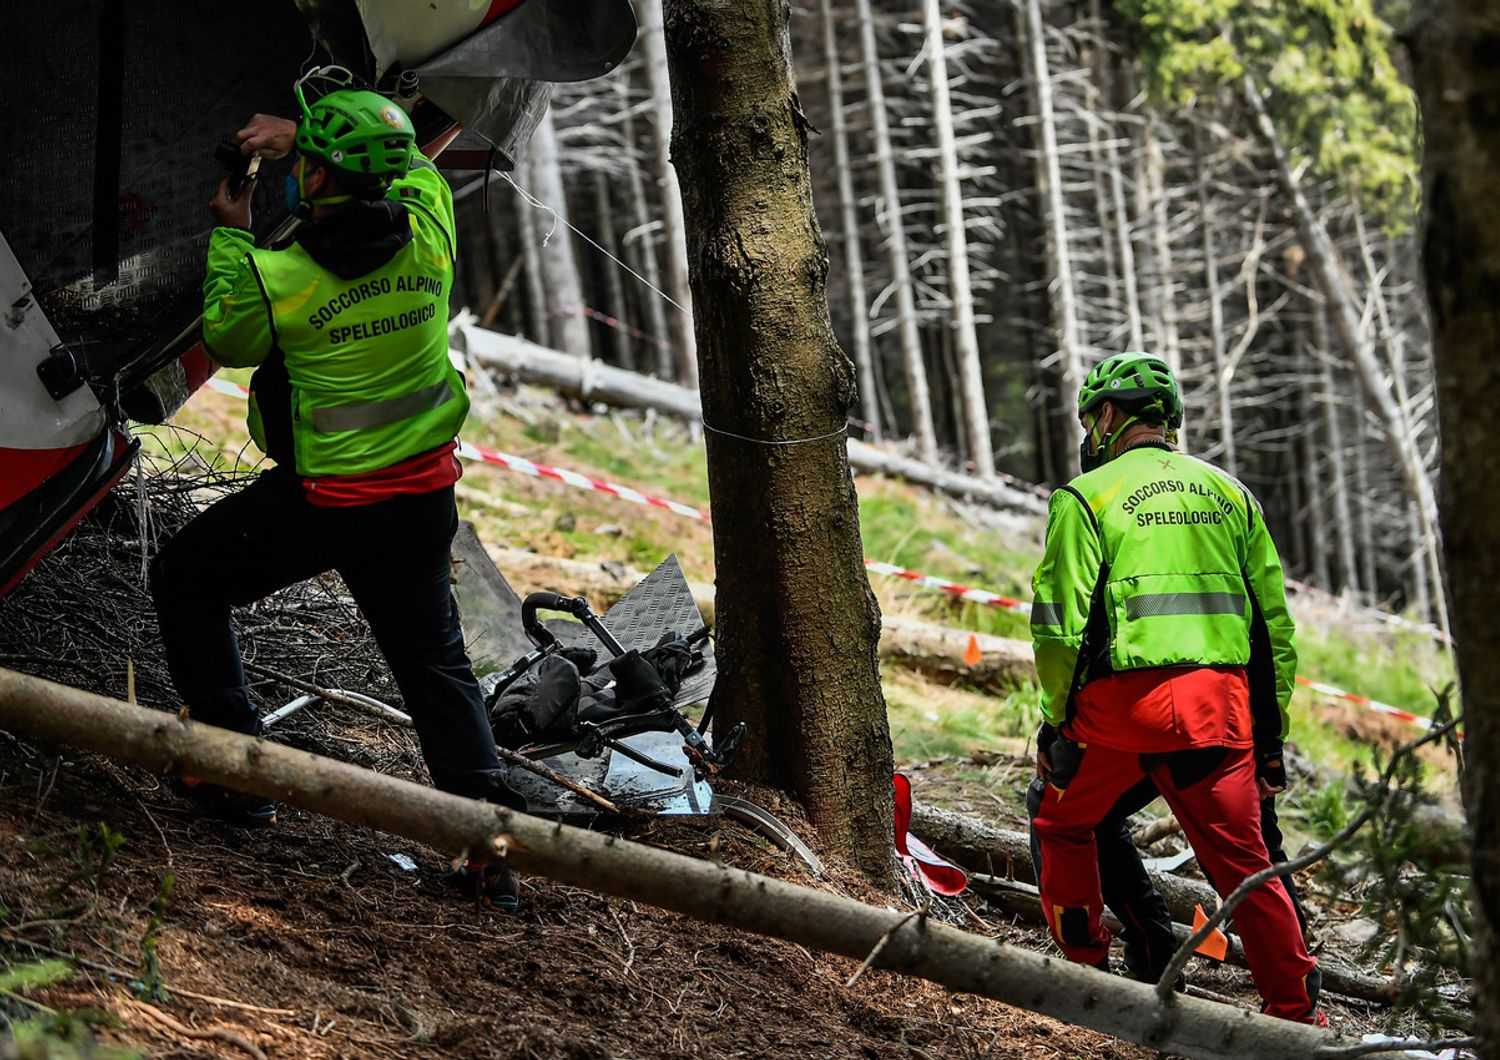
{"x":356,"y":403}
{"x":1164,"y":649}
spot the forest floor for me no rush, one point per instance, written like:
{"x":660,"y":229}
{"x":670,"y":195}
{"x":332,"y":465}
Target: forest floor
{"x":311,"y":939}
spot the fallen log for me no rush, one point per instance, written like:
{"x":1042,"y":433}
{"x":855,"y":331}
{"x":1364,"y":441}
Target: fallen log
{"x":984,"y":848}
{"x":925,"y":646}
{"x":590,"y":380}
{"x":711,"y":892}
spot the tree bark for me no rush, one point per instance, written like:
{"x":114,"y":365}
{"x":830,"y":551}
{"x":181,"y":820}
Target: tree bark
{"x":644,"y":253}
{"x":714,"y":893}
{"x":895,"y":242}
{"x":1059,"y":262}
{"x":976,"y":410}
{"x":531,"y":256}
{"x":684,"y":342}
{"x":1458,"y":83}
{"x":566,"y":324}
{"x":798,"y":625}
{"x":532,"y":363}
{"x":1343,"y":519}
{"x":1229,"y":457}
{"x":619,"y":342}
{"x":854,"y":262}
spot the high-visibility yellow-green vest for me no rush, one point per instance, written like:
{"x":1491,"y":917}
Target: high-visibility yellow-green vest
{"x":354,"y":372}
{"x":1160,"y":559}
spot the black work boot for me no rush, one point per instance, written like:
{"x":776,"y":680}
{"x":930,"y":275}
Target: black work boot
{"x":491,"y":886}
{"x":238,"y":809}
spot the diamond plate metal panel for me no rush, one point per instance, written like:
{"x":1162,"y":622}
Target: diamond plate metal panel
{"x":661,"y":602}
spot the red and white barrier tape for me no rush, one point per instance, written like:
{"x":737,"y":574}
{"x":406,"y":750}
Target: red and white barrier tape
{"x":1366,"y":701}
{"x":953,"y":589}
{"x":520,"y":464}
{"x":510,"y":462}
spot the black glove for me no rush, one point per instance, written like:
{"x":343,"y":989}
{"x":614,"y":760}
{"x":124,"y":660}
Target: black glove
{"x":1066,"y":756}
{"x":1270,"y":765}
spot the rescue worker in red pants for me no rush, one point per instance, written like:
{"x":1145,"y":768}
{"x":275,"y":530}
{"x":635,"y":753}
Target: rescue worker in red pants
{"x":1159,"y":602}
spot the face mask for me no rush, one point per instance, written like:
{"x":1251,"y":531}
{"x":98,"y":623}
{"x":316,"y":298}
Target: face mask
{"x":293,"y":194}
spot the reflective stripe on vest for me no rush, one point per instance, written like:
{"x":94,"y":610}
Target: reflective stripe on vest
{"x":1046,"y":614}
{"x":1153,"y":605}
{"x":367,"y":414}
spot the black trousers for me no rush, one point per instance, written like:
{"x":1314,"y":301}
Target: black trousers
{"x":1126,"y":885}
{"x":393,"y":555}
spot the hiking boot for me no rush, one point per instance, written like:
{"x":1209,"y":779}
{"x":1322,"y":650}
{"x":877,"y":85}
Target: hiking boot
{"x":1314,"y":1016}
{"x":491,"y":886}
{"x":238,"y":809}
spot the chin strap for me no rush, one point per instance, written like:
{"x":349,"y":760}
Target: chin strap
{"x":1102,"y":449}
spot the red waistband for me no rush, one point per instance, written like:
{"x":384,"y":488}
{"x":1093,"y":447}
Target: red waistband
{"x":433,"y":470}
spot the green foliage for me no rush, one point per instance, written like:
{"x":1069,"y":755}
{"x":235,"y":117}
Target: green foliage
{"x":151,"y":985}
{"x":1332,"y":89}
{"x":91,"y":852}
{"x":1401,"y":866}
{"x":19,"y":978}
{"x":66,"y":1036}
{"x":1327,"y":810}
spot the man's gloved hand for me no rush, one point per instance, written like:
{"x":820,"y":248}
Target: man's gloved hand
{"x":1066,"y":756}
{"x":1045,"y":737}
{"x":1270,"y":770}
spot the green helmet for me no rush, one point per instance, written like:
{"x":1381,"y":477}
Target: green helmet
{"x":353,"y":131}
{"x":1131,"y":378}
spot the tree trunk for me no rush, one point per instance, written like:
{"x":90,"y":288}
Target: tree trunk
{"x":1343,"y":521}
{"x":798,"y":624}
{"x":976,"y":410}
{"x":1161,"y":236}
{"x":1059,"y":262}
{"x":715,"y":893}
{"x":1458,"y":83}
{"x":1228,"y":456}
{"x":644,"y":254}
{"x":895,"y":242}
{"x":684,"y":342}
{"x":854,"y":261}
{"x":531,"y":255}
{"x":566,"y":324}
{"x":620,"y":343}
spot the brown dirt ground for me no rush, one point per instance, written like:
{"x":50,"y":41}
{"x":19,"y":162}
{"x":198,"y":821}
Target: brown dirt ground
{"x":306,"y":940}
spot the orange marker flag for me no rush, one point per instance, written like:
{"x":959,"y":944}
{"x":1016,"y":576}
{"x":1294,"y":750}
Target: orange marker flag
{"x":1217,"y":944}
{"x":972,"y":654}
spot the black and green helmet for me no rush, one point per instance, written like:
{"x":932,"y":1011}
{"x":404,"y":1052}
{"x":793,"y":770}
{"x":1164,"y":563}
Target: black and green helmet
{"x":1132,"y":379}
{"x":354,"y":131}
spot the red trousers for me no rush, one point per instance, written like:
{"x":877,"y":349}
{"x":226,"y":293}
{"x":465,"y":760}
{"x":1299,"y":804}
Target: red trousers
{"x":1220,"y":813}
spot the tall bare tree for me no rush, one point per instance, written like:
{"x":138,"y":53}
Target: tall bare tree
{"x":976,"y":411}
{"x":894,"y":229}
{"x":798,"y":624}
{"x":679,"y":320}
{"x":561,"y":285}
{"x":854,"y":260}
{"x":1458,"y":82}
